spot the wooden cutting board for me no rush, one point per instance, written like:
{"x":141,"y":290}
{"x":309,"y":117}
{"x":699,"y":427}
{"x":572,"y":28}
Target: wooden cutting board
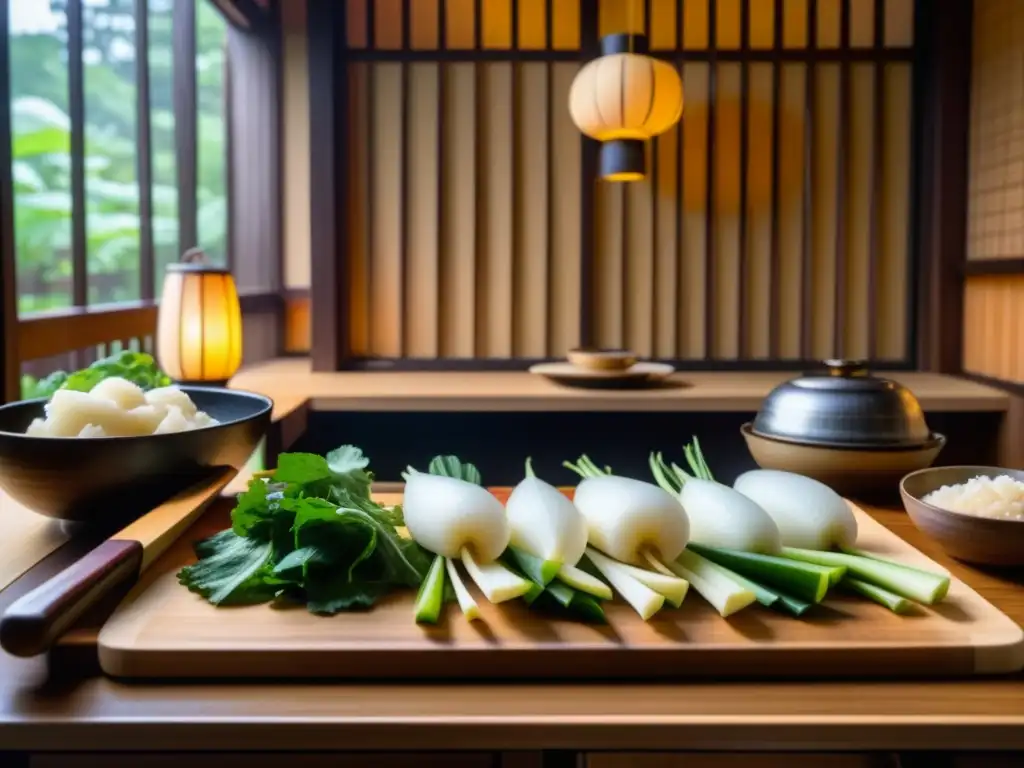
{"x":163,"y":631}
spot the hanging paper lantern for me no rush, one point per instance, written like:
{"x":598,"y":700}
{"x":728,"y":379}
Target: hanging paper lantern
{"x":622,"y":99}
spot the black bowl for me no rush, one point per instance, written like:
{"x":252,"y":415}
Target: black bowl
{"x":108,"y":478}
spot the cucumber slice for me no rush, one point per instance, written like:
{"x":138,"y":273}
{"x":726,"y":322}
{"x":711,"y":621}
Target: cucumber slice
{"x":580,"y":580}
{"x":431,"y":594}
{"x":535,"y":569}
{"x":890,"y":600}
{"x":802,"y":582}
{"x":911,"y":583}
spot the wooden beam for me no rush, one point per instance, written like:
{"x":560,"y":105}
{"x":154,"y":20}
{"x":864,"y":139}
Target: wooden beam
{"x":328,"y":105}
{"x":942,"y":113}
{"x":9,"y":358}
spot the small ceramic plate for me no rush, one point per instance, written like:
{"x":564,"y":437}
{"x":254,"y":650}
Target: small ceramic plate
{"x":571,"y":375}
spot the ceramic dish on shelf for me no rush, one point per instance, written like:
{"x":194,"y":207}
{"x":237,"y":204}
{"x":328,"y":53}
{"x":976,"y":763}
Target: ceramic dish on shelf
{"x":602,"y":359}
{"x":637,"y":375}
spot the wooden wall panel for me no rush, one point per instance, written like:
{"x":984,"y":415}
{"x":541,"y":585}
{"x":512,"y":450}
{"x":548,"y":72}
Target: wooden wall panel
{"x":996,"y":197}
{"x":994,"y":327}
{"x":869,"y":283}
{"x":480,"y":256}
{"x":773,"y":223}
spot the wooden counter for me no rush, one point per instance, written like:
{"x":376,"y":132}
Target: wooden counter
{"x":100,"y":714}
{"x":290,"y":382}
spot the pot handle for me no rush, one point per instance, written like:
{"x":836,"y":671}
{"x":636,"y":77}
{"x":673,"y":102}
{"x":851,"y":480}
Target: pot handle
{"x":847,"y":368}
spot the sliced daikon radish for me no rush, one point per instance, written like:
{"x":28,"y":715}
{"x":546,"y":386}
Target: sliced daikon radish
{"x":496,"y":581}
{"x":642,"y":598}
{"x":724,"y":594}
{"x":466,"y":602}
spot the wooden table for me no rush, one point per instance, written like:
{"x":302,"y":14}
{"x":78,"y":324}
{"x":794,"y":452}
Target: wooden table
{"x":97,"y":714}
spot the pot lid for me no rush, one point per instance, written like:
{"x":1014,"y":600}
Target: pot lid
{"x":844,"y":405}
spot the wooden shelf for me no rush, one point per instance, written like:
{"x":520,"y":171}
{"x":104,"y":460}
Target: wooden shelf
{"x":290,"y":382}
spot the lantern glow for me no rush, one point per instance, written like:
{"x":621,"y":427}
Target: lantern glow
{"x":199,"y":327}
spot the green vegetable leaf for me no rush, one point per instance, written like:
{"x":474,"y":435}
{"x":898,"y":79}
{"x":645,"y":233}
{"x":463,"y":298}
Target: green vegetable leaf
{"x":232,"y":570}
{"x":137,"y":367}
{"x":452,"y":466}
{"x":344,"y":469}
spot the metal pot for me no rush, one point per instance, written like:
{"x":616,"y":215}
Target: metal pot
{"x":843,"y":407}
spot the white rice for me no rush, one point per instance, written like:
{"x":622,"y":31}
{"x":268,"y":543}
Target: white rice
{"x":995,"y":497}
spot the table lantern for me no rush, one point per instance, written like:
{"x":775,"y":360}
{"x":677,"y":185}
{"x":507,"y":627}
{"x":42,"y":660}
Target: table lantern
{"x":622,"y":99}
{"x":199,"y":328}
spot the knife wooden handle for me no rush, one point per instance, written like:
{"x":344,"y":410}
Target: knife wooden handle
{"x":33,"y":622}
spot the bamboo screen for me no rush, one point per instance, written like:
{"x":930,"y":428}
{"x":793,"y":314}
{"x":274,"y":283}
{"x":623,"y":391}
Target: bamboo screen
{"x":994,"y":305}
{"x":773,"y":225}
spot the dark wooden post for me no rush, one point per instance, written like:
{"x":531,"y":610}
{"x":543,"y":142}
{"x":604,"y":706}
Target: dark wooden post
{"x":942,"y":113}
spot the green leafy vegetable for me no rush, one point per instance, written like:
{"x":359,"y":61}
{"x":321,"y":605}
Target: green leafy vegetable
{"x":449,"y":466}
{"x":312,"y":533}
{"x":137,"y":367}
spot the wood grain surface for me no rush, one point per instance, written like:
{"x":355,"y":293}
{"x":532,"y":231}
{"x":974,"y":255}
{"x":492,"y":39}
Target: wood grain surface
{"x":290,"y":381}
{"x":163,"y":631}
{"x":41,"y":707}
{"x":27,"y":538}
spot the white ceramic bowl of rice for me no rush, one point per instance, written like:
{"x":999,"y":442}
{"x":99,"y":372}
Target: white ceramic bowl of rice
{"x":976,"y":513}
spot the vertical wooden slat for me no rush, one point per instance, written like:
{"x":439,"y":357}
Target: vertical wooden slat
{"x":878,"y":136}
{"x":532,"y":212}
{"x":775,"y":265}
{"x":588,"y":188}
{"x":549,"y":189}
{"x":695,"y":300}
{"x":806,"y":279}
{"x":680,"y":204}
{"x":566,"y":259}
{"x":711,"y":200}
{"x":76,"y":110}
{"x":894,"y":265}
{"x":358,"y":240}
{"x":423,"y":264}
{"x":329,"y":337}
{"x":497,"y":162}
{"x":144,"y":151}
{"x":405,"y":318}
{"x":10,"y":355}
{"x":185,"y":119}
{"x":478,"y":25}
{"x":654,"y":164}
{"x":743,"y":340}
{"x":842,"y":173}
{"x":389,"y":171}
{"x":458,"y":280}
{"x":371,"y":24}
{"x":514,"y":116}
{"x":442,"y":261}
